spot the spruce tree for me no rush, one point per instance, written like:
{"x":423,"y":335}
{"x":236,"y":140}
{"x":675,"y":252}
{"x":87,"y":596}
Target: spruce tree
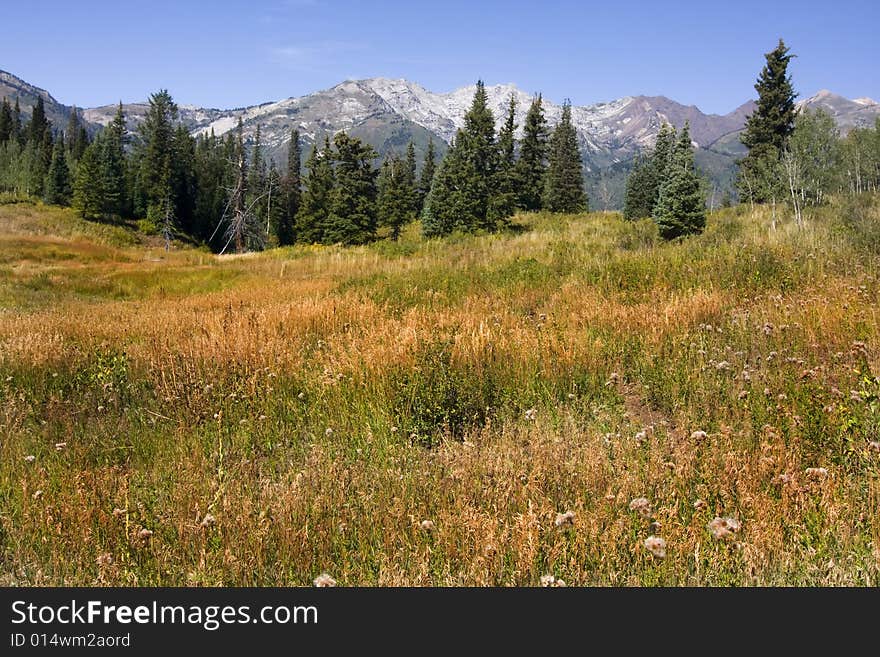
{"x":410,"y":179}
{"x":5,"y":121}
{"x":394,"y":204}
{"x":17,"y":132}
{"x":311,"y":219}
{"x":429,"y":168}
{"x":88,"y":186}
{"x":114,"y":165}
{"x":463,"y":188}
{"x":352,"y":216}
{"x":57,"y":188}
{"x":643,"y":183}
{"x":531,"y":167}
{"x":769,"y":126}
{"x":641,"y":190}
{"x":39,"y":123}
{"x":257,"y":176}
{"x":155,"y":176}
{"x":76,"y":137}
{"x":291,"y":192}
{"x":681,"y":206}
{"x":564,"y":185}
{"x":276,"y":210}
{"x":505,"y":196}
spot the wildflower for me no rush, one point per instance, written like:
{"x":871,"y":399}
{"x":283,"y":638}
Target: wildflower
{"x":874,"y":445}
{"x":208,"y":521}
{"x":60,"y":446}
{"x":394,"y":429}
{"x":104,"y":559}
{"x":532,"y":414}
{"x":743,"y":394}
{"x":859,"y":348}
{"x":724,"y":527}
{"x":301,"y":395}
{"x":816,"y":473}
{"x":771,"y":356}
{"x":612,"y":379}
{"x":550,"y":581}
{"x":328,"y":432}
{"x":427,"y":525}
{"x":723,"y":365}
{"x":699,"y":436}
{"x":767,"y":392}
{"x":145,"y":534}
{"x":656,"y":546}
{"x":855,"y":395}
{"x":746,"y":376}
{"x":117,"y":512}
{"x":261,"y":418}
{"x":30,"y":458}
{"x":572,"y":396}
{"x":782,"y":479}
{"x":699,"y":504}
{"x":564,"y":519}
{"x":641,"y":437}
{"x":768,"y":328}
{"x":37,"y":494}
{"x":324,"y":581}
{"x":611,"y":497}
{"x":642,"y":506}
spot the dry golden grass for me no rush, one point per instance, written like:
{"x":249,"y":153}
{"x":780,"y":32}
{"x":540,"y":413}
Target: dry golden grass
{"x":305,"y":410}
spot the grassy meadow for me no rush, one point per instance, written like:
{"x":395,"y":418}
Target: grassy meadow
{"x":429,"y":412}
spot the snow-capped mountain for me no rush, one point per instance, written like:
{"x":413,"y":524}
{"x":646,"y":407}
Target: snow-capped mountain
{"x":388,"y":113}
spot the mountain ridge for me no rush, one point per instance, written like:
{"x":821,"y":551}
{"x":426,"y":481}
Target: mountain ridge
{"x":389,"y":112}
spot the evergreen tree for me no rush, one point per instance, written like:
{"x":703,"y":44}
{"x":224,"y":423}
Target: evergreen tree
{"x":76,"y":137}
{"x":291,"y":191}
{"x":505,"y":197}
{"x":564,"y":186}
{"x":311,"y":219}
{"x":531,"y":167}
{"x":155,"y":176}
{"x":57,"y":188}
{"x":769,"y":126}
{"x":352,"y":217}
{"x":16,"y":132}
{"x":88,"y":187}
{"x":462,"y":194}
{"x":681,"y":206}
{"x":39,"y":124}
{"x":641,"y":190}
{"x":257,"y":177}
{"x":410,"y":179}
{"x":276,"y":210}
{"x":5,"y":121}
{"x":429,"y":167}
{"x":394,"y":205}
{"x":114,"y":165}
{"x":643,"y":184}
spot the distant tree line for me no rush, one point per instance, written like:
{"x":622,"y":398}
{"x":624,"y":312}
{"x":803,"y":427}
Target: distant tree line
{"x":794,"y":158}
{"x":221,"y":192}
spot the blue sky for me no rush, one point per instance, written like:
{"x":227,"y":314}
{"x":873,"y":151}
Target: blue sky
{"x":230,"y":53}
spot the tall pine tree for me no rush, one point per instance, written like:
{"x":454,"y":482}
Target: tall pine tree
{"x":531,"y":168}
{"x":768,"y":127}
{"x":352,"y":217}
{"x":57,"y":188}
{"x":681,"y":206}
{"x":429,"y":168}
{"x":155,"y":176}
{"x":505,"y":196}
{"x":564,"y":186}
{"x":311,"y":219}
{"x":463,"y":189}
{"x":291,"y":191}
